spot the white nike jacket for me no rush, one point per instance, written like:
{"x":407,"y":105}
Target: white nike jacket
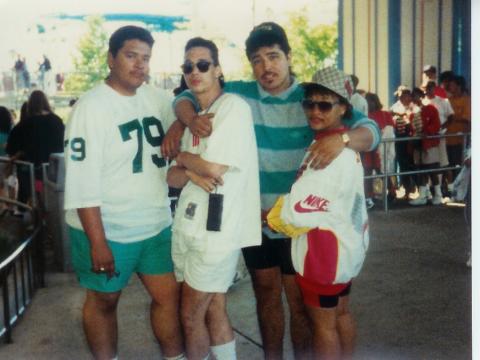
{"x":331,"y":201}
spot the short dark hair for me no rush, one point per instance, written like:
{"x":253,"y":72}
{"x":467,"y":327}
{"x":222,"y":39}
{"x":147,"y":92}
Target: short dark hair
{"x":418,"y":92}
{"x":125,"y":33}
{"x":311,"y":89}
{"x":38,"y":102}
{"x":5,"y":120}
{"x":430,"y":85}
{"x":373,"y":102}
{"x":355,"y":80}
{"x":446,"y":76}
{"x":181,"y":87}
{"x":460,"y":81}
{"x":201,"y":42}
{"x":267,"y":34}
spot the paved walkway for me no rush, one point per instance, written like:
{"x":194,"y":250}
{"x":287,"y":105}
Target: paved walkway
{"x":411,"y":301}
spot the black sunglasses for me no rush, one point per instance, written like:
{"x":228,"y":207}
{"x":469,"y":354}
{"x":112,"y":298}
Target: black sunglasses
{"x":202,"y":66}
{"x":323,"y":106}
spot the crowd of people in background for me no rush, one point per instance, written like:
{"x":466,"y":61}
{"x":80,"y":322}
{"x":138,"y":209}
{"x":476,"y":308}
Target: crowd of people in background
{"x":436,"y":107}
{"x":37,"y":134}
{"x":25,"y":78}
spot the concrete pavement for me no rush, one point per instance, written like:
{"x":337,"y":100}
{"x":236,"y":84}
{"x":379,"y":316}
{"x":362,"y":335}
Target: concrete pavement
{"x":412,"y":300}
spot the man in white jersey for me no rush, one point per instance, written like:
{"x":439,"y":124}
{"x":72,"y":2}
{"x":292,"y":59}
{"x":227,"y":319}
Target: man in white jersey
{"x":218,"y":211}
{"x":116,"y":196}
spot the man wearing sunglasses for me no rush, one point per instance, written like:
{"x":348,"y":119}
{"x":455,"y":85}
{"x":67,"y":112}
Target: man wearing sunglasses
{"x":282,"y":134}
{"x":116,"y":197}
{"x":218,"y":210}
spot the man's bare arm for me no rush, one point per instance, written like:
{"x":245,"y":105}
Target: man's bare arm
{"x":176,"y":177}
{"x":101,"y":254}
{"x":324,"y":151}
{"x":171,"y":142}
{"x":199,"y":125}
{"x":201,"y":167}
{"x":206,"y":183}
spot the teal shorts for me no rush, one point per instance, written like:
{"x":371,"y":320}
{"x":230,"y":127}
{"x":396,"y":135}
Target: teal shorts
{"x":151,"y":256}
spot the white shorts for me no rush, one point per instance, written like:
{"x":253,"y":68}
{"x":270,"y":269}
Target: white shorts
{"x":442,"y":149}
{"x":204,"y":270}
{"x":426,"y":157}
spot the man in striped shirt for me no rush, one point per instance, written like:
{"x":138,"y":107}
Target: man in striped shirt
{"x":283,"y":135}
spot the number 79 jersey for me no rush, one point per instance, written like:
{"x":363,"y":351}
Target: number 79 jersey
{"x":113,"y":161}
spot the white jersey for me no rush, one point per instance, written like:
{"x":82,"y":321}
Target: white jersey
{"x":113,"y":161}
{"x":232,"y":143}
{"x":331,"y":201}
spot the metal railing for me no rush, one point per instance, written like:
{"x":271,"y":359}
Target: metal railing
{"x":21,"y":273}
{"x":385,"y":176}
{"x":22,"y":265}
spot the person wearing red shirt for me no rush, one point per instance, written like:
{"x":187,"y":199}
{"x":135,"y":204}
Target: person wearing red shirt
{"x":375,"y":160}
{"x":426,"y":153}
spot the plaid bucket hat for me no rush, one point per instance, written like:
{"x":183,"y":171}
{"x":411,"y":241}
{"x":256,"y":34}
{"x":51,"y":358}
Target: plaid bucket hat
{"x":334,"y":80}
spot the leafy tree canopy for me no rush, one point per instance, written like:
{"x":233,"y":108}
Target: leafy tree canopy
{"x":313,"y":47}
{"x":90,"y":63}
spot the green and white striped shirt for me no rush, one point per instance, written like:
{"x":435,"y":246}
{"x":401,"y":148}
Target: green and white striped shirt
{"x":282,"y":132}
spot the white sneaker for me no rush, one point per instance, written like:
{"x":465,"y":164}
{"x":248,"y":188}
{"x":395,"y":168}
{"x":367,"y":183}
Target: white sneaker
{"x":422,"y":196}
{"x":437,"y":200}
{"x":421,"y":200}
{"x":369,"y":203}
{"x":450,"y":187}
{"x":429,"y":194}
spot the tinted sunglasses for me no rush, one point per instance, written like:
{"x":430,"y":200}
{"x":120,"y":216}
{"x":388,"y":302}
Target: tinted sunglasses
{"x":323,"y":106}
{"x":202,"y":66}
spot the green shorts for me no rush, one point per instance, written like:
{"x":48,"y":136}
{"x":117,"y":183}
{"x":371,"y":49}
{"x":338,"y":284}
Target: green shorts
{"x":151,"y":256}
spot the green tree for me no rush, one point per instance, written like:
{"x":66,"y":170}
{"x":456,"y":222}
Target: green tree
{"x":90,"y":63}
{"x":313,"y":47}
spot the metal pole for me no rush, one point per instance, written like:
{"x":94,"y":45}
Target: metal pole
{"x":6,"y":307}
{"x":385,"y":179}
{"x":31,"y":171}
{"x":44,"y":179}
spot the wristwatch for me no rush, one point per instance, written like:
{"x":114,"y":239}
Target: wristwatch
{"x":345,"y":139}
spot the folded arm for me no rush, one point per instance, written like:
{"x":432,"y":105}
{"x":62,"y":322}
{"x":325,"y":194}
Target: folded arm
{"x":200,"y":166}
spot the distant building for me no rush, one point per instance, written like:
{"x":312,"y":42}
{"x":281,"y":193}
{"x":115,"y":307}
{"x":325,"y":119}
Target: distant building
{"x":387,"y":42}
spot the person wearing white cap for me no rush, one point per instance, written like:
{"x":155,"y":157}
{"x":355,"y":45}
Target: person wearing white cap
{"x":325,"y":215}
{"x":430,"y":74}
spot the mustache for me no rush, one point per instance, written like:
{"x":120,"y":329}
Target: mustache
{"x":268,"y":73}
{"x":139,"y":73}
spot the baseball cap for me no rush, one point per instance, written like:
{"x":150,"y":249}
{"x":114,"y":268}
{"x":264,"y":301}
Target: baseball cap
{"x":429,"y":68}
{"x":267,"y":34}
{"x":400,"y":90}
{"x":334,"y":80}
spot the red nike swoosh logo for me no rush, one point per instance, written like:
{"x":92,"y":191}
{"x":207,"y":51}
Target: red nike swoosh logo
{"x":300,"y":209}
